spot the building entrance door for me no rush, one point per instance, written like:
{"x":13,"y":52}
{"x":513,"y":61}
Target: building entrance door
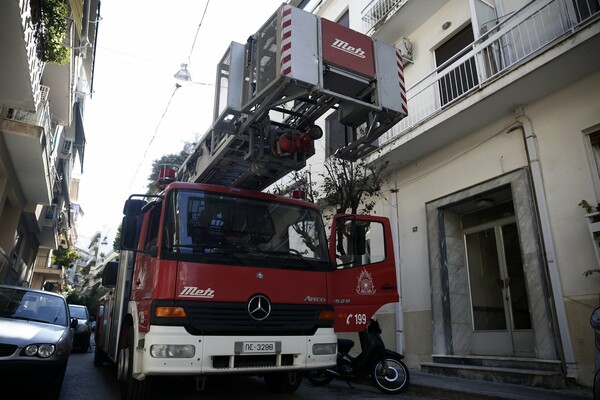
{"x":500,"y":314}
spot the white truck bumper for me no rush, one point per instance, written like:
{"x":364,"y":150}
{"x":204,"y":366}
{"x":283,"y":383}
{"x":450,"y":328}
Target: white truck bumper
{"x":233,"y":354}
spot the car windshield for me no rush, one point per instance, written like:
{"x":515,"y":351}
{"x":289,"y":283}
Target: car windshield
{"x":230,"y":229}
{"x":30,"y":305}
{"x":78,"y":312}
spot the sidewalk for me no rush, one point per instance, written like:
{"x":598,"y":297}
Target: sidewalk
{"x":446,"y":387}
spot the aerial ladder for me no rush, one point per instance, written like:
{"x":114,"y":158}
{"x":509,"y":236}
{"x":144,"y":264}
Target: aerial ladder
{"x":270,"y":92}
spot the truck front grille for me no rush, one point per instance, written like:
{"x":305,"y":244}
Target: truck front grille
{"x":221,"y":318}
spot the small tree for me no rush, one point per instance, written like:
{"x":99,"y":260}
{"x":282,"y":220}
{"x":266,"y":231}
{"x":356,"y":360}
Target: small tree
{"x":64,"y":257}
{"x":117,"y":242}
{"x":349,"y":185}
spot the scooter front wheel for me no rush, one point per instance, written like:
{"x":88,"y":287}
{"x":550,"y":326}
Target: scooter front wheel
{"x":318,"y":377}
{"x":390,"y":376}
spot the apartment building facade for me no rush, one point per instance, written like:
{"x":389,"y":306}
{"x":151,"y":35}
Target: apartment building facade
{"x":42,"y":135}
{"x":501,"y":144}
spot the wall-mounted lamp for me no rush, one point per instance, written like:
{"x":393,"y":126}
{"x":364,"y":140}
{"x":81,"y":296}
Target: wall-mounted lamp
{"x":446,"y":25}
{"x":484,"y":203}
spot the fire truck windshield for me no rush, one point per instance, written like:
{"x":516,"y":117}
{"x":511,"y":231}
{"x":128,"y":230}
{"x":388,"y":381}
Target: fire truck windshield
{"x":209,"y":227}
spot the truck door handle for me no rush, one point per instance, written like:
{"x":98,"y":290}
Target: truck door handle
{"x":138,"y":283}
{"x":388,"y":287}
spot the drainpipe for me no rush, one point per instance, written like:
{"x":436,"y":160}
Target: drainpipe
{"x":396,"y":238}
{"x":85,"y":26}
{"x":548,"y":240}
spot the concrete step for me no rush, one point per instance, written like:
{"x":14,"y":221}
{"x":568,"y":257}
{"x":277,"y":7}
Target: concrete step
{"x":456,"y":388}
{"x":502,"y":371}
{"x":501,"y":362}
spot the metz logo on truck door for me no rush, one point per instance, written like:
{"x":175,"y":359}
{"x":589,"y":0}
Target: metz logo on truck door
{"x":365,"y":278}
{"x":346,"y":48}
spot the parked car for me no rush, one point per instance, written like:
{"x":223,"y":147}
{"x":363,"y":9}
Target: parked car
{"x":36,"y":338}
{"x":83,"y":331}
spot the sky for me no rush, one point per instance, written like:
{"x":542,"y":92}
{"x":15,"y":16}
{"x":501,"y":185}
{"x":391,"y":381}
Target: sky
{"x":135,"y":113}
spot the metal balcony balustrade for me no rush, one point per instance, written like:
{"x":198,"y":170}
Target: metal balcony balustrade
{"x":504,"y":47}
{"x":41,"y":117}
{"x":378,"y":11}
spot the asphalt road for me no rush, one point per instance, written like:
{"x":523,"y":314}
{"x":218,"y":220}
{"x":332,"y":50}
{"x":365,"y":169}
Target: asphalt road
{"x":83,"y":381}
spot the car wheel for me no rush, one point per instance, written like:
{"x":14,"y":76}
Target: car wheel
{"x":134,"y":389}
{"x":283,"y":382}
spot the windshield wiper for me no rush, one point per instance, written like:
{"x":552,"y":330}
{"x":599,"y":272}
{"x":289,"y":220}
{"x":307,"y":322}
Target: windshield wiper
{"x":292,"y":253}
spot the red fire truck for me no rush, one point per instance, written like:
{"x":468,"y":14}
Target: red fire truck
{"x":216,"y":276}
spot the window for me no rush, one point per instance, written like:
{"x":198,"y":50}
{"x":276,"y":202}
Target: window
{"x":67,"y":146}
{"x":595,"y":142}
{"x":344,"y":20}
{"x":359,"y":243}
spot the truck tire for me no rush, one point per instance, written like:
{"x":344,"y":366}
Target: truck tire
{"x":283,"y":382}
{"x":99,"y":357}
{"x":134,"y":389}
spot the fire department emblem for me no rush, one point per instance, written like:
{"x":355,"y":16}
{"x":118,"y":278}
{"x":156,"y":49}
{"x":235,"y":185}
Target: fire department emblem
{"x":365,"y":284}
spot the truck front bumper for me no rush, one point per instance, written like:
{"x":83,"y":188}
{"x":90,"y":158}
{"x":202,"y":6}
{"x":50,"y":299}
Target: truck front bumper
{"x":169,"y":350}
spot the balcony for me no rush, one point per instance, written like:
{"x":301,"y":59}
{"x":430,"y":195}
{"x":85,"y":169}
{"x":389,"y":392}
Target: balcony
{"x":21,"y":70}
{"x":541,"y":48}
{"x":49,"y":223}
{"x":388,"y":19}
{"x":26,"y":135}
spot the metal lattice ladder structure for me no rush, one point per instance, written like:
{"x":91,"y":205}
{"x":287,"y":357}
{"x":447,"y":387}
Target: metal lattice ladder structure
{"x":270,"y":91}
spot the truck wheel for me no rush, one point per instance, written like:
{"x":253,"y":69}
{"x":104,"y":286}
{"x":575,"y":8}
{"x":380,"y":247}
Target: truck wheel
{"x":283,"y":382}
{"x":99,"y":357}
{"x":133,"y":389}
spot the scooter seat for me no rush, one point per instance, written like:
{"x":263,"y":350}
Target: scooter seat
{"x":345,"y":345}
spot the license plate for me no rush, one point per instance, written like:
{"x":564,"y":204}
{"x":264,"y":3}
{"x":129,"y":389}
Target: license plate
{"x":258,"y":347}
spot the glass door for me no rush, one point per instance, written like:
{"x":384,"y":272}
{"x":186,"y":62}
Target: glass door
{"x":500,"y":315}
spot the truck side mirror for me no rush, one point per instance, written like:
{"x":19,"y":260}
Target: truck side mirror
{"x":129,"y":232}
{"x":109,"y":276}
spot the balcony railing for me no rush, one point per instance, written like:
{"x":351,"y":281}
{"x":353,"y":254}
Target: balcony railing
{"x":41,"y":117}
{"x":501,"y":49}
{"x":31,"y":31}
{"x":378,"y":11}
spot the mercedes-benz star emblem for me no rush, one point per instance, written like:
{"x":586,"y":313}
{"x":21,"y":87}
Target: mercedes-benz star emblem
{"x":259,"y":307}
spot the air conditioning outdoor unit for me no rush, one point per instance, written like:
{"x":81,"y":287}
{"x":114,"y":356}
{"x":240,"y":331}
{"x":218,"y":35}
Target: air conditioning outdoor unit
{"x":406,"y":49}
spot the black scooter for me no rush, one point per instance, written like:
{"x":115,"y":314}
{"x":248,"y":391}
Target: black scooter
{"x":383,"y":366}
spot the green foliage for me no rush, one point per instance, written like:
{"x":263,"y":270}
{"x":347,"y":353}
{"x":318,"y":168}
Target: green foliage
{"x":586,"y":206}
{"x":64,"y":257}
{"x":89,"y":300}
{"x":54,"y":18}
{"x":170,"y":160}
{"x":117,"y":242}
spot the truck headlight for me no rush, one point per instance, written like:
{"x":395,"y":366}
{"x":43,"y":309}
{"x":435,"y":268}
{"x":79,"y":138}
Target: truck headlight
{"x":320,"y":349}
{"x":172,"y":350}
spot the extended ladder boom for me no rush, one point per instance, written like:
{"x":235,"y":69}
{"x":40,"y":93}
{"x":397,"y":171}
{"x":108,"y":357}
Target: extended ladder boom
{"x":270,"y":91}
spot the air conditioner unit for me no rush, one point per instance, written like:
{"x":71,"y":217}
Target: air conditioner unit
{"x":406,"y":49}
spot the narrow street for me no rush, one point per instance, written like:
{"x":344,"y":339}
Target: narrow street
{"x":83,"y":381}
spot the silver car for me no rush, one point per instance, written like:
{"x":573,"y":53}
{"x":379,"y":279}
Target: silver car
{"x":36,"y":336}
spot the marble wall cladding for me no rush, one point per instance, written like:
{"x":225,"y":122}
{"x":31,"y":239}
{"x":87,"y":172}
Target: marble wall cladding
{"x":451,"y":310}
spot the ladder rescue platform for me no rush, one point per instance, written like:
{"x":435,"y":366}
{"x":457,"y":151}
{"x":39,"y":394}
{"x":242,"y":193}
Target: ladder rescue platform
{"x":270,"y":91}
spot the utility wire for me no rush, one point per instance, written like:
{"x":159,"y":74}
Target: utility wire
{"x":177,"y":86}
{"x":197,"y":31}
{"x":153,"y":136}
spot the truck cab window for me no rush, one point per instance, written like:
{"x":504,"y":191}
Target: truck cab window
{"x":153,"y":227}
{"x":360,"y":243}
{"x":228,"y":229}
